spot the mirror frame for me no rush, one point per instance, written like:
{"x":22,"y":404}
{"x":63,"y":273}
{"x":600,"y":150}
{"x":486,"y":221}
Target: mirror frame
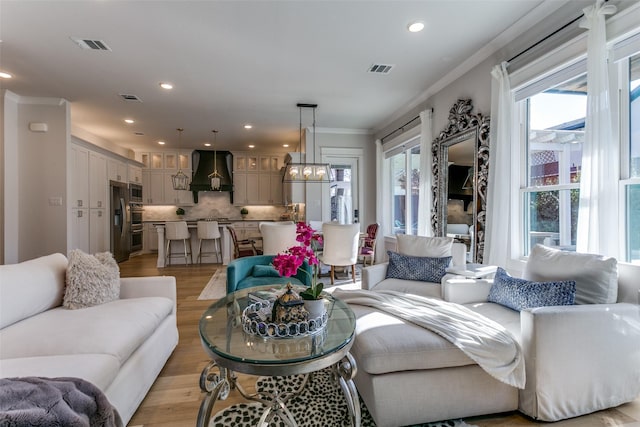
{"x":462,"y":126}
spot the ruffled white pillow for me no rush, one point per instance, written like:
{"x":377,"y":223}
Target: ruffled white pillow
{"x":91,"y":279}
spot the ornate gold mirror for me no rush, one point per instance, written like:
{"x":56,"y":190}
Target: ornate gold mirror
{"x":460,"y":172}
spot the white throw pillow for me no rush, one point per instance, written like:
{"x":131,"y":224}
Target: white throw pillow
{"x":596,"y":276}
{"x":91,"y":279}
{"x":422,"y":246}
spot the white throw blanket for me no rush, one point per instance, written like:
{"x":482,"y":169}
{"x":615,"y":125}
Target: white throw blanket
{"x":486,"y":342}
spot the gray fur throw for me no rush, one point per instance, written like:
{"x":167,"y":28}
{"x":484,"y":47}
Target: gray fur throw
{"x":53,"y":402}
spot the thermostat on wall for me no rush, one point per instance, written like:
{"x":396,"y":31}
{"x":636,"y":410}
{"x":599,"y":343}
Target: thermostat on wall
{"x":38,"y":127}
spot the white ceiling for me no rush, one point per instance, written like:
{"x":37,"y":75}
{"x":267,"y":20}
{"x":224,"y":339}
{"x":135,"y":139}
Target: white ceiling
{"x":237,"y":62}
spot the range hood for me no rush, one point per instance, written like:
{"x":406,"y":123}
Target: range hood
{"x":202,"y":162}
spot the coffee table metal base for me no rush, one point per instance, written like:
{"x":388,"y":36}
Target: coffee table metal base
{"x":217,"y":383}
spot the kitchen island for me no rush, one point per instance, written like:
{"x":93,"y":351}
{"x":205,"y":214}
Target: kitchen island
{"x":244,"y":230}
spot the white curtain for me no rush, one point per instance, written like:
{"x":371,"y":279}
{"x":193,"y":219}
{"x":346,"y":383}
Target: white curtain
{"x":496,"y":244}
{"x":598,"y":211}
{"x":381,"y":216}
{"x":425,"y":203}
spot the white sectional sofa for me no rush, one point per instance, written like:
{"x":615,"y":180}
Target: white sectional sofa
{"x":578,"y":359}
{"x":119,"y":346}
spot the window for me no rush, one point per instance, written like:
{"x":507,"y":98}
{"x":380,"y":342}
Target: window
{"x":631,"y":199}
{"x":554,"y":133}
{"x":404,"y":177}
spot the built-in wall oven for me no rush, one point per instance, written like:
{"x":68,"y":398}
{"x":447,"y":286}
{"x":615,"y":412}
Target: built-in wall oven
{"x":136,"y":210}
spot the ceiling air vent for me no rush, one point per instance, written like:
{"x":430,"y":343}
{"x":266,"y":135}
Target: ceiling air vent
{"x":130,"y":97}
{"x":91,"y":44}
{"x":380,"y":68}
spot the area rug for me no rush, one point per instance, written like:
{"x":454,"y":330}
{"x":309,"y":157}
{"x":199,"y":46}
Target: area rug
{"x":216,"y":288}
{"x":320,"y":404}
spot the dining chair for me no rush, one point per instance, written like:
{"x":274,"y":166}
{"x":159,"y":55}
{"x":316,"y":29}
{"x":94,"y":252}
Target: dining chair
{"x":340,"y":247}
{"x":177,"y":230}
{"x":368,"y":244}
{"x":242,"y":248}
{"x":277,"y":237}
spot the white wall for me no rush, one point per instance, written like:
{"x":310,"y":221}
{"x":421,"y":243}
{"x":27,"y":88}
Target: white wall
{"x":35,"y":165}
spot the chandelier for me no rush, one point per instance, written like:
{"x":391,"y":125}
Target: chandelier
{"x":180,"y":180}
{"x":215,"y":176}
{"x":307,"y":172}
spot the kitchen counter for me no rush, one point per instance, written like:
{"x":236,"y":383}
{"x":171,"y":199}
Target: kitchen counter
{"x":225,"y":240}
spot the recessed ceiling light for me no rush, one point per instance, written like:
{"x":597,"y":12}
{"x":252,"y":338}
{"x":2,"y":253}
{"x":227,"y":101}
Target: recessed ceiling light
{"x":161,"y":142}
{"x":415,"y":27}
{"x":285,"y":145}
{"x":252,"y":146}
{"x":4,"y":75}
{"x":130,"y":121}
{"x":248,"y":126}
{"x":166,"y":86}
{"x":207,"y":144}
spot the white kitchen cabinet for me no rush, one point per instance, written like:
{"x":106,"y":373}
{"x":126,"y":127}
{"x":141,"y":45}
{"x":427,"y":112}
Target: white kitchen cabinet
{"x":135,"y":174}
{"x":270,"y":189}
{"x":150,"y":238}
{"x":246,"y":229}
{"x":98,"y":182}
{"x":78,"y":236}
{"x":117,"y":170}
{"x":153,"y":187}
{"x":269,"y":163}
{"x":99,"y":239}
{"x":78,"y":174}
{"x":245,"y":189}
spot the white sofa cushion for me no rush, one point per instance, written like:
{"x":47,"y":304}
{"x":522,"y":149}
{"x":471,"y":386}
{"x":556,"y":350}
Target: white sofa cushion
{"x":116,"y":328}
{"x":384,"y":343}
{"x":435,"y":247}
{"x":98,"y":369}
{"x":596,"y":276}
{"x":31,"y":287}
{"x":424,"y":289}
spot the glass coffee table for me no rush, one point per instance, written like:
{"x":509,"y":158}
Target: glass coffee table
{"x":233,"y":350}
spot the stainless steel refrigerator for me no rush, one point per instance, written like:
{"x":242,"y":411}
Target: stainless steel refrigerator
{"x":120,"y":221}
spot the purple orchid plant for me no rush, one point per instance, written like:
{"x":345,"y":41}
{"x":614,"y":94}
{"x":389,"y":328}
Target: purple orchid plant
{"x":287,"y":263}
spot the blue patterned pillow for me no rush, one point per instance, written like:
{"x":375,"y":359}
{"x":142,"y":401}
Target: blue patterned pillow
{"x":520,"y":294}
{"x":424,"y":269}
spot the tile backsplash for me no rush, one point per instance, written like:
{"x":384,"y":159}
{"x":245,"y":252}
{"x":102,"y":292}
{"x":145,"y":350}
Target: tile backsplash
{"x":211,"y":204}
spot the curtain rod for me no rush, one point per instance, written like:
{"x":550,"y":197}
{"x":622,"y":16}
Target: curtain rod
{"x":549,"y":36}
{"x":400,"y":128}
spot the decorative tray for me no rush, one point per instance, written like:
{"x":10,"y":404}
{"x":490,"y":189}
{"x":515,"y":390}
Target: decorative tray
{"x":256,"y":321}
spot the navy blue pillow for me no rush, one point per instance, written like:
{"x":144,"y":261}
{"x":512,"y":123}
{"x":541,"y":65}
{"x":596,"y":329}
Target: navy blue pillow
{"x":424,"y":269}
{"x":520,"y":294}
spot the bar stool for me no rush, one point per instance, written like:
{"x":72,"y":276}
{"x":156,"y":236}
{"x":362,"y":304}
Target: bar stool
{"x":177,"y":230}
{"x":208,"y":230}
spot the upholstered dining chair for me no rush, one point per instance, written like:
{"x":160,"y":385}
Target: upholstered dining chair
{"x":340,"y":247}
{"x":177,"y":230}
{"x":277,"y":236}
{"x":368,"y":244}
{"x":242,"y":248}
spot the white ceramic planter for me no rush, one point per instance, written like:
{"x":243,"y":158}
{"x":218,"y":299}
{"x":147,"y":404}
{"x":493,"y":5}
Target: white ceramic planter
{"x":315,"y":308}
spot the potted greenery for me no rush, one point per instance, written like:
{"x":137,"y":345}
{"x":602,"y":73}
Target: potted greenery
{"x":179,"y":211}
{"x":244,"y":212}
{"x":287,"y":264}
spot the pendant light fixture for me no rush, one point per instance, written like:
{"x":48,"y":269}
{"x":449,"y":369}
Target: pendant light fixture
{"x":307,"y":172}
{"x":180,"y":180}
{"x":215,"y":176}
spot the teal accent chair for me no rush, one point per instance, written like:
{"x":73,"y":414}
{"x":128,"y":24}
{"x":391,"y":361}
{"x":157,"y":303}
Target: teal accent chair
{"x":251,"y":271}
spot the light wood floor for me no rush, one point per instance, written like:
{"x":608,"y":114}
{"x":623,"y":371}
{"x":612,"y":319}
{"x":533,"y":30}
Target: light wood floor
{"x":174,"y":398}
